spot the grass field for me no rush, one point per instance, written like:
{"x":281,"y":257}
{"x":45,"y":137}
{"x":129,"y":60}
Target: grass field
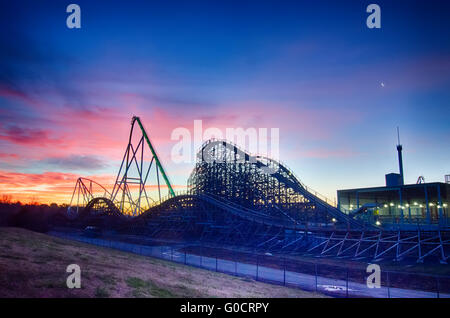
{"x":34,"y":265}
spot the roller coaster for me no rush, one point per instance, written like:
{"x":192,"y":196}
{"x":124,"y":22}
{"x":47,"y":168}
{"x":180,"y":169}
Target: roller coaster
{"x":239,"y":200}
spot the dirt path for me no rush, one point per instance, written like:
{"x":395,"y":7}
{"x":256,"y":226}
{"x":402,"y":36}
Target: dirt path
{"x":34,"y":265}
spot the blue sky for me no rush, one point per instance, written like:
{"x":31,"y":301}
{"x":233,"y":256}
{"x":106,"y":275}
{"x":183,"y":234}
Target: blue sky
{"x":312,"y":69}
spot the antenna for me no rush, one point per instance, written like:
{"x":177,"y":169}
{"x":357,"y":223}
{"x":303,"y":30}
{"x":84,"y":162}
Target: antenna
{"x":400,"y":159}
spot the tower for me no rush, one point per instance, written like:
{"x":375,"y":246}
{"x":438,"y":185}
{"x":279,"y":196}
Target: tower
{"x":400,"y":159}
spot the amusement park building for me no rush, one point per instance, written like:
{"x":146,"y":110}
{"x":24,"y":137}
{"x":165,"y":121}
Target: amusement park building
{"x":424,"y":203}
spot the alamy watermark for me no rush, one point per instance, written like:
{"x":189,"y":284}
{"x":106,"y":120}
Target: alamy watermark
{"x":74,"y":279}
{"x":259,"y":142}
{"x":374,"y":19}
{"x":374,"y":279}
{"x":73,"y":20}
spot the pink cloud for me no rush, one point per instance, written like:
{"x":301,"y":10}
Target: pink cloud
{"x":28,"y":136}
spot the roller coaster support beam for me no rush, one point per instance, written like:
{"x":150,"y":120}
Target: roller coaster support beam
{"x":158,"y":163}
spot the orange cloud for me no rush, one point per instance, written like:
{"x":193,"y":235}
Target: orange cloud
{"x":45,"y":187}
{"x":51,"y":187}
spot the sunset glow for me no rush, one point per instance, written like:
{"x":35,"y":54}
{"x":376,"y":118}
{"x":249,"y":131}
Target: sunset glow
{"x":67,"y":96}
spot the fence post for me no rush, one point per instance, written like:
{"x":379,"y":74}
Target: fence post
{"x":347,"y":284}
{"x":315,"y":271}
{"x":284,"y":271}
{"x":438,"y":287}
{"x":201,"y":255}
{"x":257,"y":267}
{"x":388,"y":285}
{"x":216,"y":263}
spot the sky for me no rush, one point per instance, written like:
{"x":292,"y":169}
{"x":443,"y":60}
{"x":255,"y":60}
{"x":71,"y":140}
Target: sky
{"x":336,"y":89}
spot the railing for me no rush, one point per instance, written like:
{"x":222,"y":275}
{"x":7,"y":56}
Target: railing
{"x":237,"y":209}
{"x":309,"y":189}
{"x":420,"y":221}
{"x":278,"y":162}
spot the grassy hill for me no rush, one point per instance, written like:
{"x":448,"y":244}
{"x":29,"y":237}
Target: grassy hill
{"x":34,"y":265}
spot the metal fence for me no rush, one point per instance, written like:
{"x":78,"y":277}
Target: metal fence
{"x":311,"y":276}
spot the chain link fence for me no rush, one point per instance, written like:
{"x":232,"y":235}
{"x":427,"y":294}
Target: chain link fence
{"x":336,"y":281}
